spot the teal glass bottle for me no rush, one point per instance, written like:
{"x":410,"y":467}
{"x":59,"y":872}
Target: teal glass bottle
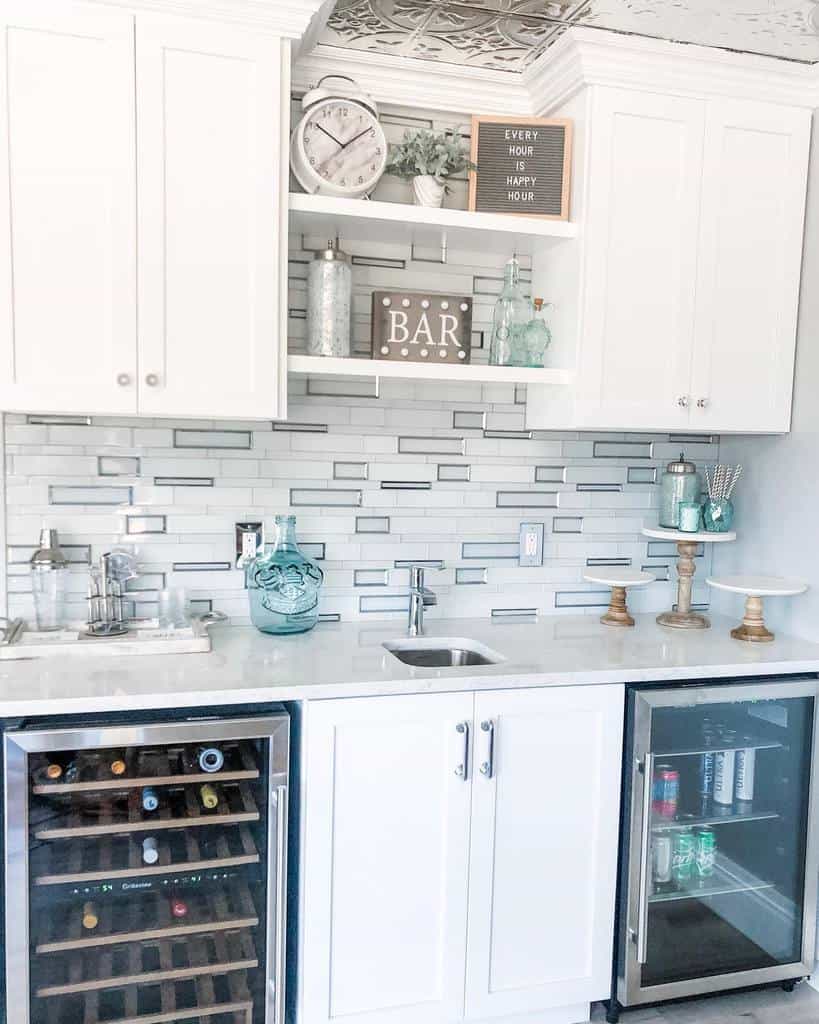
{"x":512,"y":313}
{"x":536,"y":338}
{"x":283,"y":584}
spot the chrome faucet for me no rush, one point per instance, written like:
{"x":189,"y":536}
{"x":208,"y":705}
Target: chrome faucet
{"x":419,"y":598}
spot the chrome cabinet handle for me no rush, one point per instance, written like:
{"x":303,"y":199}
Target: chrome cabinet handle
{"x":123,"y":379}
{"x":647,"y":769}
{"x":682,"y":401}
{"x":462,"y":768}
{"x":488,"y":762}
{"x":702,"y":403}
{"x":152,"y":380}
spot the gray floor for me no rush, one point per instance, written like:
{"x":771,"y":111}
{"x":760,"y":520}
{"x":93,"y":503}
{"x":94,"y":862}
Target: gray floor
{"x":771,"y":1006}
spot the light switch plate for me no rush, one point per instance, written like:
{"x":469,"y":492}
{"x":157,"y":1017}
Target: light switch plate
{"x":531,"y":543}
{"x":249,"y":542}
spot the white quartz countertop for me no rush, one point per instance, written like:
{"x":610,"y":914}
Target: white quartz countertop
{"x":348,"y":659}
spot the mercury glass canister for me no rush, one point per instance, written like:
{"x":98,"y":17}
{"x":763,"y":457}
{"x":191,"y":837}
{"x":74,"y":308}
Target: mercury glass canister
{"x":329,"y":296}
{"x":680,"y":483}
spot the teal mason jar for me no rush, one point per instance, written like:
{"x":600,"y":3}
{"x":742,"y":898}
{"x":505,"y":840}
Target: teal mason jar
{"x":680,"y":483}
{"x":283,"y":584}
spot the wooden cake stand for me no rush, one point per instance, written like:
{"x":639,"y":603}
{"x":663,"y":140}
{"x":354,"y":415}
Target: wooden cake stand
{"x":683,"y":617}
{"x":618,"y":580}
{"x":753,"y":628}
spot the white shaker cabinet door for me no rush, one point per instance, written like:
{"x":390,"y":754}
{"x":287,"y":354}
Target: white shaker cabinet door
{"x":211,"y":104}
{"x":67,"y":218}
{"x":545,"y":820}
{"x":753,"y":205}
{"x":385,"y":860}
{"x":641,"y":223}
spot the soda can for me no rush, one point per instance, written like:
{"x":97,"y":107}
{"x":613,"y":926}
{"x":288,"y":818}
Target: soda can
{"x":666,"y":791}
{"x":706,"y":852}
{"x":683,"y":856}
{"x":745,"y":769}
{"x":724,"y":765}
{"x":663,"y":852}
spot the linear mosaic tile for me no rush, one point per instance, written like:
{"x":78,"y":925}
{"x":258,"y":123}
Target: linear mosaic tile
{"x":59,"y":421}
{"x":326,"y":617}
{"x":350,"y":470}
{"x":117,"y":465}
{"x":526,"y":499}
{"x":200,"y":605}
{"x":183,"y":481}
{"x":668,"y":549}
{"x":370,"y":603}
{"x":427,"y":563}
{"x":300,"y":428}
{"x":370,"y":577}
{"x":622,"y":449}
{"x":463,"y":419}
{"x":641,"y":475}
{"x":582,"y":598}
{"x":454,"y":473}
{"x":66,"y":494}
{"x":567,"y":524}
{"x":146,"y":581}
{"x":372,"y":524}
{"x":603,"y":488}
{"x":202,"y":566}
{"x":183,"y":437}
{"x":470,"y":577}
{"x":510,"y":435}
{"x":514,"y":613}
{"x":75,"y":554}
{"x":692,"y":438}
{"x":321,"y":497}
{"x":622,"y":562}
{"x":490,"y":549}
{"x":384,"y":262}
{"x":550,"y":474}
{"x":406,"y":485}
{"x":146,"y":524}
{"x":662,"y":572}
{"x":343,"y":387}
{"x":313,"y":550}
{"x":430,"y":446}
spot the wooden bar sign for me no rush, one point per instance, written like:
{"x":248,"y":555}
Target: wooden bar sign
{"x":524,"y":166}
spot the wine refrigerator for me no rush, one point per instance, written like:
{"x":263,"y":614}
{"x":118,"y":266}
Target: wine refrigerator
{"x":145,"y":871}
{"x":720,"y":854}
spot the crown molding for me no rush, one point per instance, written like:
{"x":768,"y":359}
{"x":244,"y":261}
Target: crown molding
{"x":408,"y":81}
{"x":287,"y":18}
{"x":591,"y":56}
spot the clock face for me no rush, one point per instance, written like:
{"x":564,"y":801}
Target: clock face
{"x":344,"y":145}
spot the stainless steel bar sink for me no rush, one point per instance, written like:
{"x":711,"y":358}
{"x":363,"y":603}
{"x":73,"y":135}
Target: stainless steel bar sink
{"x":442,"y":652}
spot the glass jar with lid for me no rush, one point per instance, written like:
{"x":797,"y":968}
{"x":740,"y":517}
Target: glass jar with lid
{"x":680,"y":483}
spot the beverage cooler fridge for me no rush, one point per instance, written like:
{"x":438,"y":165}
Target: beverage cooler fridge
{"x":718,"y":880}
{"x":145,"y":874}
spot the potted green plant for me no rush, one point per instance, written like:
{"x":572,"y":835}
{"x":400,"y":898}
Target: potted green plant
{"x":427,"y":159}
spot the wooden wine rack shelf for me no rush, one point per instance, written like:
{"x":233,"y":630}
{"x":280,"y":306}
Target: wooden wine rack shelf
{"x":148,"y":766}
{"x":149,"y":918}
{"x":182,"y":809}
{"x":115,"y":857}
{"x":149,"y":963}
{"x":199,"y":998}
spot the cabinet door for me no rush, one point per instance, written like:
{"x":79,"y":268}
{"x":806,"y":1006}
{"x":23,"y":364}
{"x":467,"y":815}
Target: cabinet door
{"x":210,"y":105}
{"x":67,"y":221}
{"x":641,"y":222}
{"x":545,"y":819}
{"x":753,"y":205}
{"x":385,"y":860}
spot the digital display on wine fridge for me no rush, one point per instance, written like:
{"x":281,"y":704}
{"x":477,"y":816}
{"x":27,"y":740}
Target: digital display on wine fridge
{"x":145,"y":873}
{"x":721,"y":867}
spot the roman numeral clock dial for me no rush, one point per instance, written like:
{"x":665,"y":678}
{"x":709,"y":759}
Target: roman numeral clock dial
{"x":338,"y":148}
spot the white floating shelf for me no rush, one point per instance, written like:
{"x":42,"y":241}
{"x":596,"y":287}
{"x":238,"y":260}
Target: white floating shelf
{"x":365,"y":221}
{"x":332,"y":367}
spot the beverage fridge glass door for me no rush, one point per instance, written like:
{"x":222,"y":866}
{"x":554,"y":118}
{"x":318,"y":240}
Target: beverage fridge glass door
{"x":722,"y":863}
{"x":145,"y":872}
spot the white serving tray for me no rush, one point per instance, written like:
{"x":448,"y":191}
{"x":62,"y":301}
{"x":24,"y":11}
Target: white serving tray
{"x":195,"y":640}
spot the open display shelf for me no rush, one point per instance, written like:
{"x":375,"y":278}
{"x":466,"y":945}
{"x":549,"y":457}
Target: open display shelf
{"x":329,"y":366}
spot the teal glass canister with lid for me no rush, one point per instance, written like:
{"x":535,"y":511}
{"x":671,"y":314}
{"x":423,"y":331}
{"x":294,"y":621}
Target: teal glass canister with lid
{"x":680,"y":483}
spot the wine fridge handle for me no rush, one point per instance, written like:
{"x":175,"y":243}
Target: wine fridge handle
{"x":645,"y":852}
{"x":279,"y":797}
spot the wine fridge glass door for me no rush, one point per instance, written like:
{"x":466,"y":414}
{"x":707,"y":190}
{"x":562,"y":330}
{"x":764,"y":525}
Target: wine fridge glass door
{"x":723,"y":860}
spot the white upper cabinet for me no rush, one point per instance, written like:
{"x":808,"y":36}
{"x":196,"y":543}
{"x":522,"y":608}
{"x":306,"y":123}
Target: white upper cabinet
{"x":67,"y":209}
{"x":750,"y":254}
{"x":210,"y":103}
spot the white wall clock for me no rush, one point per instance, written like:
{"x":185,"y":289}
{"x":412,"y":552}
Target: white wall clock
{"x":338,"y":147}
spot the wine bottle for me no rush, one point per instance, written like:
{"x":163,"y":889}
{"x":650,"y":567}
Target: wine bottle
{"x":150,"y":799}
{"x":179,"y":908}
{"x":210,"y":759}
{"x":54,"y":771}
{"x":150,"y":850}
{"x":210,"y":798}
{"x":90,"y":918}
{"x":118,"y":766}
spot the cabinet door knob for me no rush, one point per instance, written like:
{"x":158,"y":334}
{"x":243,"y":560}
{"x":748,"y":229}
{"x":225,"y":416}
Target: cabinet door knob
{"x":152,"y":380}
{"x":123,"y":379}
{"x":702,"y":403}
{"x":682,"y":401}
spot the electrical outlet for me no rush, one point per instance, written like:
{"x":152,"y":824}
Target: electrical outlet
{"x":249,"y":542}
{"x":531,"y":543}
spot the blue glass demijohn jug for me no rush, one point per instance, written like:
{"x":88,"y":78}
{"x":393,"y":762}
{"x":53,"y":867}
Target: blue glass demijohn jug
{"x":283,"y":584}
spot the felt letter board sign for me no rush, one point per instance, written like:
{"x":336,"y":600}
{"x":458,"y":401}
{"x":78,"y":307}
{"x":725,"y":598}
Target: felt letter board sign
{"x":524,"y":166}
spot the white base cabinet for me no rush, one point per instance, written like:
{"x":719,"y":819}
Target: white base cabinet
{"x":459,"y":856}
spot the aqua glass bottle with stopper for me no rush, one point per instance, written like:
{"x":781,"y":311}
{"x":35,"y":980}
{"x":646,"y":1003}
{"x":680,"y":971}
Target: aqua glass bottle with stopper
{"x":283,"y":584}
{"x":513,"y":311}
{"x":536,"y":337}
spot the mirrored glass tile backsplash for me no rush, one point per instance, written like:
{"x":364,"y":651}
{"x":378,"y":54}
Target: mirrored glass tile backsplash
{"x":425,"y":471}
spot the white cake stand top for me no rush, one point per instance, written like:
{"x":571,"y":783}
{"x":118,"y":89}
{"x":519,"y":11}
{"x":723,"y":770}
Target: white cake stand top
{"x":758,"y":586}
{"x":705,"y":536}
{"x":620,"y":577}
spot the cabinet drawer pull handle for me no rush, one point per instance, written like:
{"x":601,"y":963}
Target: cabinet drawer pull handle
{"x":152,"y":380}
{"x":488,"y":762}
{"x":462,"y":768}
{"x":123,"y":379}
{"x":682,"y":401}
{"x":702,"y":403}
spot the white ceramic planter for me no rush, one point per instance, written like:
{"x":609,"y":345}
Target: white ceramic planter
{"x":427,"y":190}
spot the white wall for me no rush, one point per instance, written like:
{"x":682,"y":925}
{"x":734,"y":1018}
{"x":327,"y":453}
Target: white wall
{"x":777,"y":498}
